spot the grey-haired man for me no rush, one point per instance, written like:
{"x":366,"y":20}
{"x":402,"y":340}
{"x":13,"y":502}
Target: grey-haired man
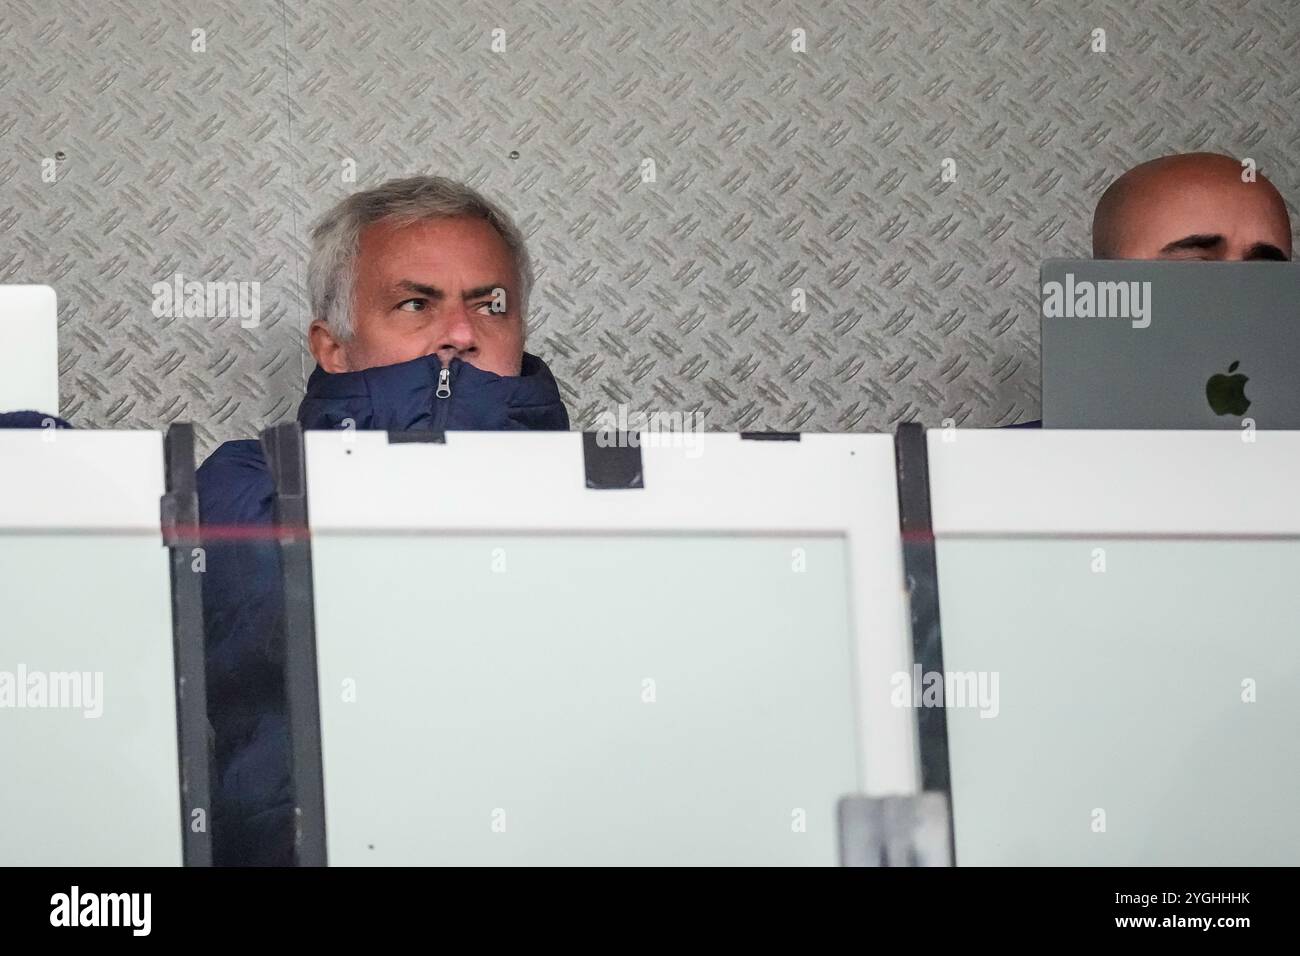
{"x":418,"y":290}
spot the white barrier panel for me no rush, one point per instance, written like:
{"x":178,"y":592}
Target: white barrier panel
{"x":516,"y":668}
{"x":1118,"y":614}
{"x":88,"y":730}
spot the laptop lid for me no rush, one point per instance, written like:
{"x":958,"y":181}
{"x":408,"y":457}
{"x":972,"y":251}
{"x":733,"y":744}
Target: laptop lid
{"x":1170,"y":345}
{"x":29,"y":349}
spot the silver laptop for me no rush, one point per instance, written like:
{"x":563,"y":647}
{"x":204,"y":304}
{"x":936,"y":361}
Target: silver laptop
{"x":1129,"y":344}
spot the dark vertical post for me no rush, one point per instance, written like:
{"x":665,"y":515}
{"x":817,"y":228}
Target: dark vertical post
{"x":283,"y":447}
{"x":921,"y":574}
{"x":180,"y":531}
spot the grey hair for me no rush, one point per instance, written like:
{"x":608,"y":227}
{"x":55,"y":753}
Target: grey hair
{"x":331,"y":271}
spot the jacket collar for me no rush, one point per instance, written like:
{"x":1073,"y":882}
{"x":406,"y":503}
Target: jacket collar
{"x":402,"y":397}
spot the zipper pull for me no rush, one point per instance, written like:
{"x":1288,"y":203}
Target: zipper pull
{"x":444,"y":383}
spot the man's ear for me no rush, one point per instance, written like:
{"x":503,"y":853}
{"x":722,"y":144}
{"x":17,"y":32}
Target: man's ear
{"x":329,"y":351}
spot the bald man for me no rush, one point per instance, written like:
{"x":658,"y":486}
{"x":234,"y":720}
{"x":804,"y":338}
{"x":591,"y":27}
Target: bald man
{"x":1191,"y":206}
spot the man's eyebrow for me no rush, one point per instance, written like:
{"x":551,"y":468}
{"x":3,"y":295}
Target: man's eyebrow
{"x":1266,"y":250}
{"x":429,"y":291}
{"x":1199,"y":241}
{"x":483,"y":291}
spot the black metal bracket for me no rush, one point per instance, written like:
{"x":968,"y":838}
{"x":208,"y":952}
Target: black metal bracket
{"x":610,"y":460}
{"x":895,"y":831}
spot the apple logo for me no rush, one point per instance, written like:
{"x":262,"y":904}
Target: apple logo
{"x":1227,"y":393}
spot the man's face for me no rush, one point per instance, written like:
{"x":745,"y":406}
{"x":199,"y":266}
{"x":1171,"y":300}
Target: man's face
{"x":1199,"y":210}
{"x":430,"y":288}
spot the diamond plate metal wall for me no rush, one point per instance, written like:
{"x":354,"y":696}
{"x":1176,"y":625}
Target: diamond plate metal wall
{"x":172,"y":162}
{"x":775,"y":170}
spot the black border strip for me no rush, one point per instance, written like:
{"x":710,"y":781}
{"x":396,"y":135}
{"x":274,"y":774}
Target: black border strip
{"x":920,"y":571}
{"x":283,"y":447}
{"x":180,"y":523}
{"x":406,"y":437}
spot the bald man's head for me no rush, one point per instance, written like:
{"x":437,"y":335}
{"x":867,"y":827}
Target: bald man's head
{"x":1191,"y":206}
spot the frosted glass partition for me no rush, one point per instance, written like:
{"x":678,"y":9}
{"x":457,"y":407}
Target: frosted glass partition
{"x":517,"y":669}
{"x":598,"y":700}
{"x":88,"y":730}
{"x":1118,"y":614}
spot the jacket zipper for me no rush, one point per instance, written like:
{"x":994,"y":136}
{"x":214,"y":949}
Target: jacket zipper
{"x":442,"y":400}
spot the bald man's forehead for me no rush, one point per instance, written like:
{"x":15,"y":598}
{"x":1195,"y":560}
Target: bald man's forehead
{"x":1159,"y":206}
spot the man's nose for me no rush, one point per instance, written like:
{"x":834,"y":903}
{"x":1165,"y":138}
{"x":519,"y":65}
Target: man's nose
{"x":456,"y":335}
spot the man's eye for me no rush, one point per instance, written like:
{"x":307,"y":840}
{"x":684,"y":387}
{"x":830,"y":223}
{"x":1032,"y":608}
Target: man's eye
{"x":412,"y":305}
{"x":485,"y":307}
